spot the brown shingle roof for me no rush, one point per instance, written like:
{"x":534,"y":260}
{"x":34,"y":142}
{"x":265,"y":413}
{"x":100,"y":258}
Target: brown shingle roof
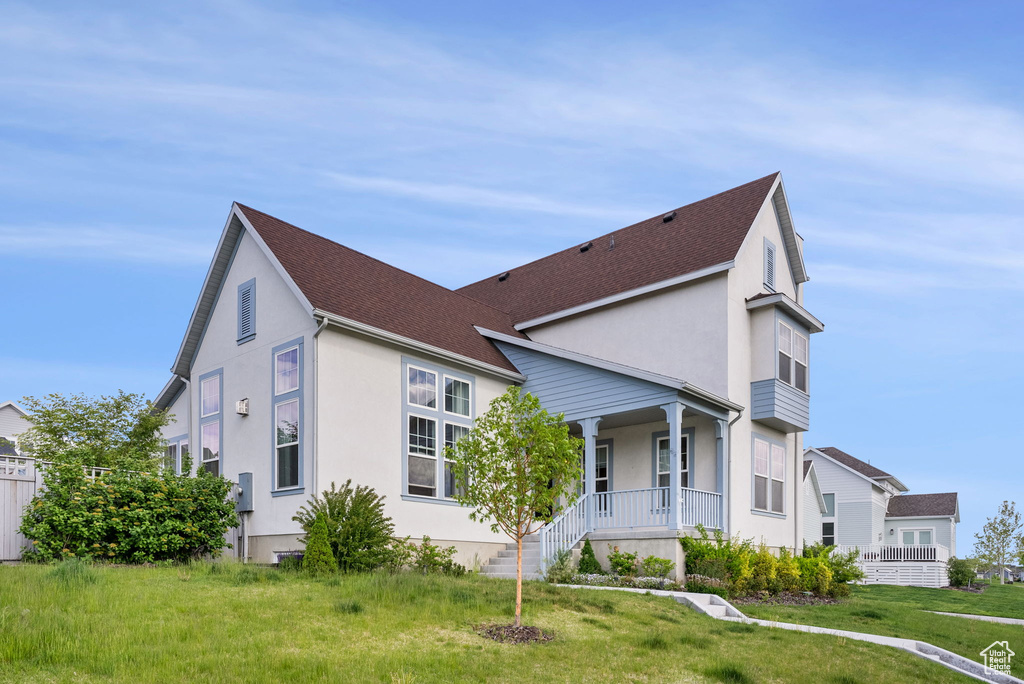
{"x":350,"y":284}
{"x":855,"y":463}
{"x":807,"y":468}
{"x":702,"y":234}
{"x":916,"y":505}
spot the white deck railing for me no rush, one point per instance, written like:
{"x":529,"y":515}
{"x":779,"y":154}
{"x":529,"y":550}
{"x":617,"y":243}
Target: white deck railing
{"x":872,"y":553}
{"x":628,"y":509}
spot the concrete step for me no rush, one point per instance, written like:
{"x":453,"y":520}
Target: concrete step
{"x":716,"y":611}
{"x":531,"y":553}
{"x":511,"y":562}
{"x":512,"y":575}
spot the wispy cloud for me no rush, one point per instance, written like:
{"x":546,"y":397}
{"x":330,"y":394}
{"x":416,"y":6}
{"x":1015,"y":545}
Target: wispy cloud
{"x":104,"y":244}
{"x":480,"y":197}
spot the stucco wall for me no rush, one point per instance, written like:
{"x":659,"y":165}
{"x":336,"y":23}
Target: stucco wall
{"x":362,"y":431}
{"x":633,"y":455}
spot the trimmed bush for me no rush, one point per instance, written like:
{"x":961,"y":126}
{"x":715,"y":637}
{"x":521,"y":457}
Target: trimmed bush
{"x":588,"y":560}
{"x":762,"y":571}
{"x":359,"y":533}
{"x":318,"y":559}
{"x":961,"y":572}
{"x":787,"y":573}
{"x":652,"y":566}
{"x":127,"y":517}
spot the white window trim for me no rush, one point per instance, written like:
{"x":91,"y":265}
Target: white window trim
{"x":444,"y":449}
{"x":437,"y":457}
{"x":220,"y":441}
{"x":689,"y":458}
{"x":608,"y":465}
{"x":770,"y":477}
{"x":277,"y":447}
{"x":793,"y":334}
{"x":202,"y":396}
{"x":917,"y":535}
{"x":277,"y":377}
{"x":438,"y":391}
{"x":442,"y":395}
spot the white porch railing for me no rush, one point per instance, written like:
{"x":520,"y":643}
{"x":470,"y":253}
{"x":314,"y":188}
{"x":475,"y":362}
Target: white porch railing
{"x":628,"y":509}
{"x":872,"y":553}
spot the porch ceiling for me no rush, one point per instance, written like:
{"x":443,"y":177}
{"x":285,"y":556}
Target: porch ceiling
{"x":653,"y":414}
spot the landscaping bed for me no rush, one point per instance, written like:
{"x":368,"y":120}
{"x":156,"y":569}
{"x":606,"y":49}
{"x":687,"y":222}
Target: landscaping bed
{"x":784,"y":599}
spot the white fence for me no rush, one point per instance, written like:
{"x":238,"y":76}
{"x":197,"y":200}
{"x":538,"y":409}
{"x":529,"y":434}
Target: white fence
{"x":888,"y":553}
{"x":18,"y":484}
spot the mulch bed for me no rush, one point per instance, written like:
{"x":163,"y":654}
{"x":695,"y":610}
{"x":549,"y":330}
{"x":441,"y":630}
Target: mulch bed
{"x":784,"y":599}
{"x":510,"y":634}
{"x":976,"y":589}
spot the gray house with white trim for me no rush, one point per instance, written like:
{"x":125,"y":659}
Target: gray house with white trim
{"x":678,"y":348}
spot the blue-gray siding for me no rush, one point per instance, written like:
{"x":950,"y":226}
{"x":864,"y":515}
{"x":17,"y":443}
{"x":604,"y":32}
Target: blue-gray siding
{"x":780,"y":405}
{"x":853,"y":521}
{"x":578,"y":390}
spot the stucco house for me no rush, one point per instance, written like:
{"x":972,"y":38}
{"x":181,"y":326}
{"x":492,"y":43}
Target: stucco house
{"x":678,"y":348}
{"x":902,"y":538}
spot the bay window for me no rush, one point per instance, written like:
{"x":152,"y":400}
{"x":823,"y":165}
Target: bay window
{"x":792,"y":357}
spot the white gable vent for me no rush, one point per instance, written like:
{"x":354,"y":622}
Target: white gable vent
{"x":769,"y":265}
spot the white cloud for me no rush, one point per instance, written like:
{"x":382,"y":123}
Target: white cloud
{"x":106,"y":244}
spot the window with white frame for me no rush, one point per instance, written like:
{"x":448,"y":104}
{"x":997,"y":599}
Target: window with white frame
{"x":175,"y":454}
{"x":286,"y":466}
{"x":828,"y":521}
{"x":456,"y":396}
{"x":914,"y":537}
{"x":210,"y":433}
{"x":601,"y":469}
{"x":211,"y":416}
{"x":438,"y":413}
{"x":769,"y":476}
{"x":452,"y":434}
{"x":665,"y":460}
{"x":792,"y":357}
{"x":210,"y":396}
{"x":287,"y":408}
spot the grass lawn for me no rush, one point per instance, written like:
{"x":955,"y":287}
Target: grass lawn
{"x":229,"y":623}
{"x":899,"y":611}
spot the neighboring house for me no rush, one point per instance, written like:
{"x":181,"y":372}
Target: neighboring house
{"x":13,"y":422}
{"x":678,"y":348}
{"x":902,"y":538}
{"x":814,"y":505}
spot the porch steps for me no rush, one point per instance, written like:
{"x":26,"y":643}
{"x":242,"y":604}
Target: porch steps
{"x":503,"y":565}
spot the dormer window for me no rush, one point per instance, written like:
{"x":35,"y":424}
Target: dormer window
{"x":792,"y":357}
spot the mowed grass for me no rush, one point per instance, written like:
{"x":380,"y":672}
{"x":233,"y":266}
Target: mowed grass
{"x":901,"y":612}
{"x":228,"y":623}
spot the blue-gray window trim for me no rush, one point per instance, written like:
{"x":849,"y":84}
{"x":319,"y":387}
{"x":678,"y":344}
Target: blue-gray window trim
{"x":212,"y":418}
{"x":276,"y":399}
{"x":770,"y":269}
{"x":438,"y":414}
{"x":785,"y":481}
{"x":176,"y":441}
{"x":690,"y":457}
{"x":250,"y":334}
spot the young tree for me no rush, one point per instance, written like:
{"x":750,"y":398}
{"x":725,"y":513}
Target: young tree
{"x":1002,"y":538}
{"x":121,"y":431}
{"x":513,"y":467}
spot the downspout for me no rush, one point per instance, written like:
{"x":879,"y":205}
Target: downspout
{"x":316,"y":402}
{"x":728,"y":472}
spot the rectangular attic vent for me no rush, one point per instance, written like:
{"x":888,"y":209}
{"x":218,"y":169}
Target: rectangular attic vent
{"x":587,"y":246}
{"x":668,"y":217}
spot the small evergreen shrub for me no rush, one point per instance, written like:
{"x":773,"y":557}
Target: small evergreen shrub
{"x":623,"y":564}
{"x":961,"y":572}
{"x":359,"y":533}
{"x":652,"y":566}
{"x":318,"y":559}
{"x":588,"y":560}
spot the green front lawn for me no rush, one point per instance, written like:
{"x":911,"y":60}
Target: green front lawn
{"x":233,"y":623}
{"x":900,"y":612}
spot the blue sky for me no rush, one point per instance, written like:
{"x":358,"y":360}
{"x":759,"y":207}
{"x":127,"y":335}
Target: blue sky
{"x":457,"y":140}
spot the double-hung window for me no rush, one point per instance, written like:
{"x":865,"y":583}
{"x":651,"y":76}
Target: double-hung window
{"x":211,"y":420}
{"x":665,"y":460}
{"x":792,"y":357}
{"x":175,"y":453}
{"x":828,"y":520}
{"x":438,"y":413}
{"x":287,"y":437}
{"x":769,"y":476}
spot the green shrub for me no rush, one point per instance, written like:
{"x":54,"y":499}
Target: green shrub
{"x":844,"y":566}
{"x":623,"y":564}
{"x":816,"y":575}
{"x":762,"y":571}
{"x":817,"y":550}
{"x":652,"y":566}
{"x":722,"y":559}
{"x":961,"y":572}
{"x":561,"y":570}
{"x":318,"y":559}
{"x":127,"y":517}
{"x":698,"y":587}
{"x":359,"y":533}
{"x":588,"y":560}
{"x":787,"y":573}
{"x":431,"y":559}
{"x":292,"y":563}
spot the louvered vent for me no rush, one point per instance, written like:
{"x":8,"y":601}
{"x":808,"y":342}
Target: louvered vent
{"x":246,"y":312}
{"x":769,"y":265}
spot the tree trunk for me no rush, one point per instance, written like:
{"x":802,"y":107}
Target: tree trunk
{"x":519,"y":580}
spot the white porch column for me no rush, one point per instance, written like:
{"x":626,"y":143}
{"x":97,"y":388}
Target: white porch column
{"x":590,"y":463}
{"x":674,"y":415}
{"x":722,"y":452}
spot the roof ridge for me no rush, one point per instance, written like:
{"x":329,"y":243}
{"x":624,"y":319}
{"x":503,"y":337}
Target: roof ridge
{"x":373,"y":258}
{"x":617,"y":230}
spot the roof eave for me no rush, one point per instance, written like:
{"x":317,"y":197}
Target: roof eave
{"x":786,"y":303}
{"x":14,"y":406}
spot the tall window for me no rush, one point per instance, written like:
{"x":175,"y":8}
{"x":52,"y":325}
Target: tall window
{"x":665,"y":459}
{"x":175,"y":453}
{"x":769,"y":476}
{"x":828,"y":520}
{"x":211,"y":418}
{"x":287,"y":437}
{"x":792,"y":357}
{"x":601,"y":470}
{"x":438,"y":413}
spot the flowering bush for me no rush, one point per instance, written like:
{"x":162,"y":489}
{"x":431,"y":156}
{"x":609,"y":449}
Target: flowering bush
{"x":127,"y":517}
